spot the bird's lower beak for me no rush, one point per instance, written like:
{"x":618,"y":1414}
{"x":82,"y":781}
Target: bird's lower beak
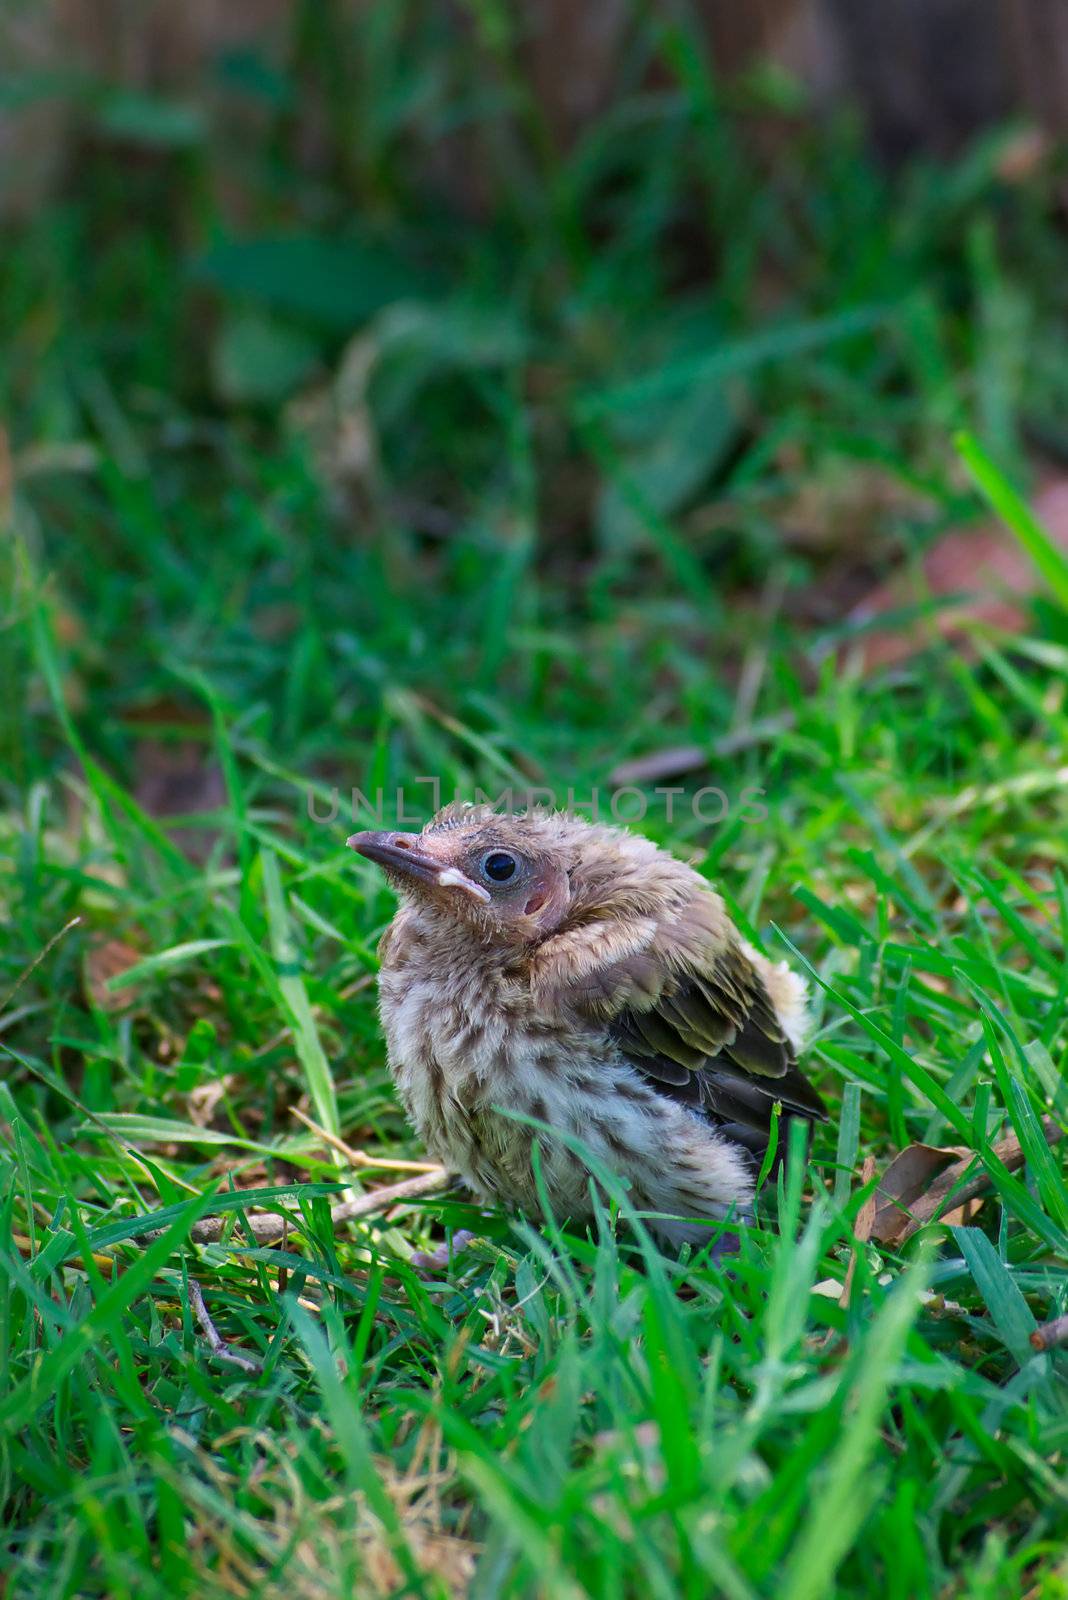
{"x":403,"y":853}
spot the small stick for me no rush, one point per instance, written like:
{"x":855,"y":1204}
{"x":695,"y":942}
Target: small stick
{"x":1048,"y":1335}
{"x":268,"y":1226}
{"x":265,"y":1227}
{"x":211,"y":1333}
{"x":692,"y":757}
{"x":56,"y":937}
{"x":360,"y":1158}
{"x":366,"y":1205}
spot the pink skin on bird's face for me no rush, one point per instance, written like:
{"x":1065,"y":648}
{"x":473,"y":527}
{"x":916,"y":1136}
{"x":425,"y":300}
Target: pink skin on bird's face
{"x":449,"y":870}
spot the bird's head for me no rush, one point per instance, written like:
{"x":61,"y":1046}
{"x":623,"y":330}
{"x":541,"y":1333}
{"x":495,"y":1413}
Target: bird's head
{"x":506,"y":876}
{"x":520,"y":879}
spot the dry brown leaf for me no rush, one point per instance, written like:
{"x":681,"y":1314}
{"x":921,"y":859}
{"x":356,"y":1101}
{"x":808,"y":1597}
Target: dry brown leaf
{"x":108,"y":959}
{"x":1023,"y":155}
{"x":907,"y":1180}
{"x":203,"y":1100}
{"x":926,"y":1206}
{"x":178,"y":780}
{"x":175,"y":780}
{"x":984,"y":563}
{"x":862,"y":1228}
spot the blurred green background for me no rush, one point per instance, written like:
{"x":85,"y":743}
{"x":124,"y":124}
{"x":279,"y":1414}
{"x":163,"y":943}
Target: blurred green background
{"x":338,"y":371}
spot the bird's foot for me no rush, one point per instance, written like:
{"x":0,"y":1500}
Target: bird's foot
{"x":438,"y":1260}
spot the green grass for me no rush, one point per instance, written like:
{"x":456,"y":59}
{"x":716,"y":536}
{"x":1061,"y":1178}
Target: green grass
{"x":600,"y":475}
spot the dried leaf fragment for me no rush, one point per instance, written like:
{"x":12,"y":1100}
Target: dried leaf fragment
{"x":106,"y":960}
{"x":905,"y":1212}
{"x":907,"y":1180}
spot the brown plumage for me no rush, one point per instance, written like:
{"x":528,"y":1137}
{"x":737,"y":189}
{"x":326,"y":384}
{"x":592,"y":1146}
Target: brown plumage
{"x":580,"y":975}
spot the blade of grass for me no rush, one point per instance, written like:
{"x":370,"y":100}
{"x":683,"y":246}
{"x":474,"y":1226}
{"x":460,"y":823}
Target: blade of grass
{"x":294,"y":998}
{"x":17,"y":1407}
{"x":1049,"y":562}
{"x":849,"y":1485}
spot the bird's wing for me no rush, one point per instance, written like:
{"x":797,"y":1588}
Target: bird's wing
{"x":692,"y":1013}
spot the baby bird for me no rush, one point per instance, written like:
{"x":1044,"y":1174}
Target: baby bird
{"x":581,"y":975}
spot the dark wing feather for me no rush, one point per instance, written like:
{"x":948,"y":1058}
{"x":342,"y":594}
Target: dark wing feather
{"x":709,"y":1037}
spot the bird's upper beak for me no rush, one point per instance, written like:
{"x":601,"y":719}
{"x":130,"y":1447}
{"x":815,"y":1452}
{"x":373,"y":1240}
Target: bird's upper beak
{"x":405,"y":853}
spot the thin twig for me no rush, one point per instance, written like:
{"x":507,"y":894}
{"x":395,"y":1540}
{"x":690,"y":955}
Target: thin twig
{"x":366,"y":1205}
{"x":266,"y":1227}
{"x":36,"y":962}
{"x":211,"y":1333}
{"x":685,"y":758}
{"x":1048,"y":1335}
{"x":359,"y":1158}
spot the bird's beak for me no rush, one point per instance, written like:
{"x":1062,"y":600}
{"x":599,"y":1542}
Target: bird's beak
{"x":403,"y":853}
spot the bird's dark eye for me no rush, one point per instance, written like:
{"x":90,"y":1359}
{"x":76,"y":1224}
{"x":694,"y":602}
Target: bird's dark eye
{"x":499,"y":866}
